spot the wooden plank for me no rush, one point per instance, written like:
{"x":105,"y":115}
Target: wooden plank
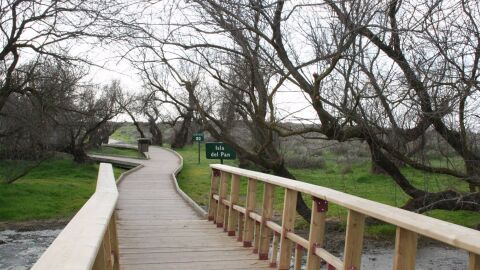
{"x":114,"y":242}
{"x":405,"y":250}
{"x":354,"y":240}
{"x":212,"y":208}
{"x":473,"y":261}
{"x":317,"y":232}
{"x":454,"y":235}
{"x":298,"y":257}
{"x":267,"y":212}
{"x":233,"y":216}
{"x":275,"y":243}
{"x":257,"y":237}
{"x":248,"y":228}
{"x":222,"y":193}
{"x":288,"y":223}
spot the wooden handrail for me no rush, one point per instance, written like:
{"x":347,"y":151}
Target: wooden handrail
{"x":89,"y":241}
{"x":409,"y":224}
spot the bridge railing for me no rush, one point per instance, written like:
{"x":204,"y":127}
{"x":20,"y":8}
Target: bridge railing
{"x":257,"y":229}
{"x":89,"y":241}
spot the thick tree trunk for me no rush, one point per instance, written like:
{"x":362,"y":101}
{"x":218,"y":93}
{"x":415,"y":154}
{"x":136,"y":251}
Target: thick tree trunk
{"x":79,"y":155}
{"x":302,"y":209}
{"x":157,"y":136}
{"x":181,"y":137}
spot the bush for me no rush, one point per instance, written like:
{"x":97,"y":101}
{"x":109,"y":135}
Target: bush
{"x":305,"y":161}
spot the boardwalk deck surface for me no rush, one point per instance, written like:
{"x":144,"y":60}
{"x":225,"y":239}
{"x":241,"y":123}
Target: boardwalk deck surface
{"x":157,"y":229}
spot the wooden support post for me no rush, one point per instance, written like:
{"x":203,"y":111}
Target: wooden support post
{"x":257,"y":238}
{"x":114,"y":242}
{"x":241,"y":223}
{"x":317,"y":232}
{"x":232,"y":216}
{"x":248,"y":229}
{"x":107,"y":244}
{"x":267,"y":212}
{"x":275,"y":240}
{"x":298,"y":257}
{"x":212,"y":208}
{"x":100,"y":261}
{"x":288,"y":223}
{"x":473,"y":261}
{"x":354,"y":240}
{"x":222,"y":195}
{"x":405,"y":250}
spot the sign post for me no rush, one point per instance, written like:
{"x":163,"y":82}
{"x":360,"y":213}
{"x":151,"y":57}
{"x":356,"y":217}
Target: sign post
{"x":198,"y":137}
{"x":219,"y":151}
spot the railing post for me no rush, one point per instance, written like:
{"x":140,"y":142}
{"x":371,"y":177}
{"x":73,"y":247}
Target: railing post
{"x":298,"y":257}
{"x":275,"y":242}
{"x":354,"y":240}
{"x":250,"y":206}
{"x":288,"y":223}
{"x":405,"y":250}
{"x":222,"y":195}
{"x":114,"y":242}
{"x":101,"y":260}
{"x":267,"y":212}
{"x":473,"y":261}
{"x":212,"y":208}
{"x":232,"y":215}
{"x":256,"y":242}
{"x":317,"y":232}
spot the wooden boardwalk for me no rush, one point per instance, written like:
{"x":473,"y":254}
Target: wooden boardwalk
{"x":157,"y":229}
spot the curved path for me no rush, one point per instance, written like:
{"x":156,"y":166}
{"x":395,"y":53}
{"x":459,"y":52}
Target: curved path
{"x":157,"y":229}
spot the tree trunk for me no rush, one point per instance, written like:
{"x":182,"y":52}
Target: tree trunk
{"x":79,"y":155}
{"x":302,"y":209}
{"x":157,"y":136}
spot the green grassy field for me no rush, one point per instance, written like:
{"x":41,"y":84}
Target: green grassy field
{"x":115,"y":151}
{"x":57,"y":188}
{"x":356,"y":180}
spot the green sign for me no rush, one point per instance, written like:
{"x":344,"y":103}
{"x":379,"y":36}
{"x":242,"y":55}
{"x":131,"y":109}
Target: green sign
{"x":198,"y":137}
{"x":219,"y":151}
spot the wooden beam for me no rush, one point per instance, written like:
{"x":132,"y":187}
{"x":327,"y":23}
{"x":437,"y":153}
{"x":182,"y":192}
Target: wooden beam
{"x":249,"y":226}
{"x":405,"y":250}
{"x":473,"y":261}
{"x":298,"y":257}
{"x":114,"y":242}
{"x":317,"y":232}
{"x":267,"y":213}
{"x":212,"y":208}
{"x":288,"y":223}
{"x":232,"y":215}
{"x":275,"y":242}
{"x":222,"y":193}
{"x":354,"y":241}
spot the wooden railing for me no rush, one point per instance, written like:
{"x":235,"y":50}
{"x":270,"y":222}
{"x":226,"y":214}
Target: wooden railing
{"x":89,"y":241}
{"x":257,"y":229}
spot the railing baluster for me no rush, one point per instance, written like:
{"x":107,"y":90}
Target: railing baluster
{"x":267,"y":212}
{"x":222,"y":195}
{"x":317,"y":232}
{"x":232,"y":215}
{"x":241,"y":223}
{"x":298,"y":257}
{"x":212,"y":208}
{"x":257,"y":237}
{"x":275,"y":242}
{"x":250,"y":206}
{"x":101,"y":260}
{"x":354,"y":240}
{"x":473,"y":261}
{"x":114,"y":242}
{"x":288,"y":223}
{"x":107,"y":244}
{"x":405,"y":250}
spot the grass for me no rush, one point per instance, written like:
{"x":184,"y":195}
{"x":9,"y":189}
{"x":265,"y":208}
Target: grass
{"x":57,"y":188}
{"x":352,"y":177}
{"x":116,"y":151}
